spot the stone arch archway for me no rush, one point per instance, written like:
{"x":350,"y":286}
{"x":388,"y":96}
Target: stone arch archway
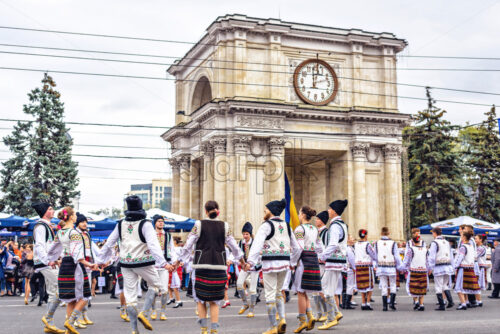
{"x":202,"y":93}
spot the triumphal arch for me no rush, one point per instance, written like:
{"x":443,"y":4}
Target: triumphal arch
{"x":258,"y":98}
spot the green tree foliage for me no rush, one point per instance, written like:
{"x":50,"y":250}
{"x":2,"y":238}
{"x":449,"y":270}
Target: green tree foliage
{"x":41,"y":166}
{"x":114,"y":213}
{"x":482,"y":156}
{"x":435,"y":171}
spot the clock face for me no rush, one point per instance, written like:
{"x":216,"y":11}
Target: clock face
{"x":315,"y":82}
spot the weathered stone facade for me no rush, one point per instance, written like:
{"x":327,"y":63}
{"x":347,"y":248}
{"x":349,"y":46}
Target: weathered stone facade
{"x":240,"y":125}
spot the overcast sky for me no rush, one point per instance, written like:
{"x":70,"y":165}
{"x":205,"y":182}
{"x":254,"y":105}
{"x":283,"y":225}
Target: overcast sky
{"x":458,"y":28}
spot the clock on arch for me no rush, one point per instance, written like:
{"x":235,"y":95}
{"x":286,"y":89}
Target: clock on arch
{"x":315,"y":82}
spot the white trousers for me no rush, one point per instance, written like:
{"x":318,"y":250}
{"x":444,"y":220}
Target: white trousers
{"x":387,"y":283}
{"x":330,"y":281}
{"x":50,"y":276}
{"x":350,"y":282}
{"x":441,"y":283}
{"x":251,"y":278}
{"x":273,"y":282}
{"x":132,"y":275}
{"x":164,"y":276}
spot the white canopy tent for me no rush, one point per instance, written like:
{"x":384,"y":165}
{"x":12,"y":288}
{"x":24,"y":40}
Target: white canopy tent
{"x":168,"y":215}
{"x":466,"y":220}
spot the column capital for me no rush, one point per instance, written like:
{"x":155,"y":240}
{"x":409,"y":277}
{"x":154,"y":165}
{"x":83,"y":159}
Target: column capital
{"x":207,"y":149}
{"x":184,"y":161}
{"x":241,"y":144}
{"x":174,"y":163}
{"x":277,"y":145}
{"x":359,"y":150}
{"x":219,"y":144}
{"x":392,"y":152}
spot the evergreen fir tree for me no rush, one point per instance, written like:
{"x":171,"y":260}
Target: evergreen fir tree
{"x":482,"y":148}
{"x":435,"y":171}
{"x":41,"y":167}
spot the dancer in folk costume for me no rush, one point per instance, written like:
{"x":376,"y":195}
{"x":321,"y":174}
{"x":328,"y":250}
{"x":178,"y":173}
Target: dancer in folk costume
{"x":415,"y":263}
{"x":140,"y":255}
{"x":307,"y":273}
{"x":90,"y":252}
{"x":318,"y":297}
{"x":277,"y":243}
{"x":363,"y":265}
{"x":388,"y":263}
{"x":175,"y":280}
{"x":43,"y":236}
{"x":73,"y":280}
{"x":482,"y":265}
{"x":466,"y":280}
{"x":347,"y":302}
{"x":471,"y":297}
{"x":208,"y":238}
{"x":167,"y":247}
{"x":335,"y":256}
{"x":440,"y":263}
{"x":250,"y":277}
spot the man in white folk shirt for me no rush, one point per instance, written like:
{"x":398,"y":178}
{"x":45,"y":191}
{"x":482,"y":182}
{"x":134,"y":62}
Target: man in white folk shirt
{"x":139,"y":252}
{"x":278,"y":246}
{"x":43,"y":236}
{"x":440,"y":263}
{"x":335,"y":258}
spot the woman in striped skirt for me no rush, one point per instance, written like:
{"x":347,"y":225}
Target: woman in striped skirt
{"x":73,"y":281}
{"x":208,"y":238}
{"x":482,"y":264}
{"x":364,"y":255}
{"x":307,"y":273}
{"x":466,"y":280}
{"x":415,"y":263}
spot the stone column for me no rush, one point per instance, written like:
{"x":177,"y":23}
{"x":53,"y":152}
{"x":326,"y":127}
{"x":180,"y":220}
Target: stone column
{"x":194,"y":193}
{"x":208,"y":174}
{"x":175,"y":185}
{"x":359,"y":181}
{"x":220,"y":173}
{"x":184,"y":189}
{"x":275,"y":171}
{"x":241,"y":146}
{"x":392,"y":190}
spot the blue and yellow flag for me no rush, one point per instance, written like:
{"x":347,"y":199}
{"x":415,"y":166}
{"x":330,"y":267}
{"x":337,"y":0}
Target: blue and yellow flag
{"x":291,"y":215}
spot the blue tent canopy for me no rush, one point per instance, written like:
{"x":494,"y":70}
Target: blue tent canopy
{"x":13,"y":221}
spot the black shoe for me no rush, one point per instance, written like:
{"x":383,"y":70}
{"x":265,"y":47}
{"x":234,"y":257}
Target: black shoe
{"x":441,"y":304}
{"x":372,"y":300}
{"x":421,"y":308}
{"x":393,"y":302}
{"x":473,"y":305}
{"x":39,"y":303}
{"x":113,"y":297}
{"x":177,"y":305}
{"x":493,"y":297}
{"x":287,"y":296}
{"x":489,"y":287}
{"x":384,"y":303}
{"x":90,"y":304}
{"x":236,"y":294}
{"x":462,"y":307}
{"x":363,"y":307}
{"x":368,"y":308}
{"x":171,"y":301}
{"x":416,"y":306}
{"x":480,"y":304}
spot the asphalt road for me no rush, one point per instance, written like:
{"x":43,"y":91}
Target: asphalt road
{"x":15,"y":318}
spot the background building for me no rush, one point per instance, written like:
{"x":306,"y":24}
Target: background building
{"x":157,"y":194}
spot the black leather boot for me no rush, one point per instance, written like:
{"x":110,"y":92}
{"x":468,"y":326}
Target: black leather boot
{"x":393,"y":301}
{"x":348,"y":304}
{"x":441,"y":306}
{"x":384,"y":303}
{"x":449,"y":298}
